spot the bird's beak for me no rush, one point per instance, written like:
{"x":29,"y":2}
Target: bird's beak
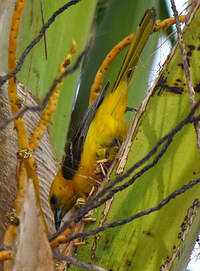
{"x":58,"y":218}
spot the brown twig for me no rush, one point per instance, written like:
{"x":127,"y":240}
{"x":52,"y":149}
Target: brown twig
{"x":184,"y":54}
{"x":186,"y":67}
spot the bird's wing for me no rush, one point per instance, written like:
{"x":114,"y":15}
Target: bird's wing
{"x":74,"y":147}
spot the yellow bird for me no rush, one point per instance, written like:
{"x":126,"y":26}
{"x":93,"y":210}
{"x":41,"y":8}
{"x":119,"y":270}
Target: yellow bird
{"x":101,"y":126}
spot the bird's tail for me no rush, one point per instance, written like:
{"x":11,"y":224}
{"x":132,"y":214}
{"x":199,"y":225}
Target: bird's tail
{"x":142,"y":34}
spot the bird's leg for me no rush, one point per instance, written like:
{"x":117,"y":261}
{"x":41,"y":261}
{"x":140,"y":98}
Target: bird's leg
{"x":81,"y":201}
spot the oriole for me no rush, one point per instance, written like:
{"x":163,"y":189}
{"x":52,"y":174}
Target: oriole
{"x":101,"y":126}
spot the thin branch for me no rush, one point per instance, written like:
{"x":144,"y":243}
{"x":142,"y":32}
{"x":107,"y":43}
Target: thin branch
{"x":148,"y":211}
{"x":186,"y":67}
{"x":96,"y":201}
{"x":184,"y":55}
{"x":78,"y":263}
{"x":45,"y":40}
{"x":4,"y":123}
{"x":3,"y":79}
{"x":36,"y":108}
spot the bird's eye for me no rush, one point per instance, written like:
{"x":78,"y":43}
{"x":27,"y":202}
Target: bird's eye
{"x":53,"y":200}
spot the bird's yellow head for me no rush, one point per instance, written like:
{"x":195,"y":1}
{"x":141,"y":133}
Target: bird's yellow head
{"x":62,"y":197}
